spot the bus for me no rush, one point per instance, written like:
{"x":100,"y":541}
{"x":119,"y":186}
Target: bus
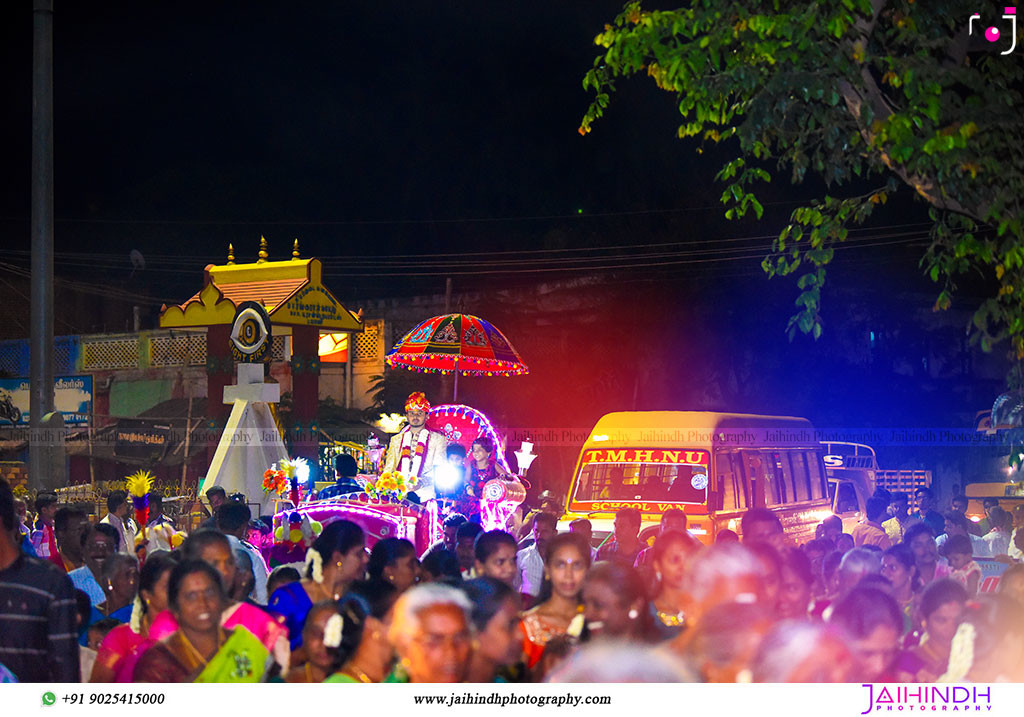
{"x":711,"y":466}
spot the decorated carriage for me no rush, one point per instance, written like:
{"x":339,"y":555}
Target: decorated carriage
{"x":382,"y":507}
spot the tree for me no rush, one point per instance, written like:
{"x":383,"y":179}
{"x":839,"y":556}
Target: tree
{"x":888,"y":95}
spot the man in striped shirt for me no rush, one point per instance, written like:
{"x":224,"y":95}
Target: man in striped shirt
{"x":38,"y":642}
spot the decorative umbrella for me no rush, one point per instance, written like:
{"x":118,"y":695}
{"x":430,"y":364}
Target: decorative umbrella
{"x":457,"y":343}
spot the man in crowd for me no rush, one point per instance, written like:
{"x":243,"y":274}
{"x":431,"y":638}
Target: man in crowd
{"x":449,"y":529}
{"x":870,"y":531}
{"x":530,"y":561}
{"x":118,"y":509}
{"x":39,"y":641}
{"x":759,"y":525}
{"x":958,"y":504}
{"x":998,"y":537}
{"x":956,"y":523}
{"x":44,"y":541}
{"x":216,"y":497}
{"x":926,"y":510}
{"x":832,"y":528}
{"x":69,"y":526}
{"x":233,"y":520}
{"x":625,"y":545}
{"x":897,"y":525}
{"x":586,"y":530}
{"x":465,"y":538}
{"x":548,"y":503}
{"x":98,"y":544}
{"x":985,"y":524}
{"x":345,"y":471}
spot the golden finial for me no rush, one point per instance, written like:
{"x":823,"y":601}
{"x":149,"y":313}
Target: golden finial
{"x":295,"y":250}
{"x":263,"y":251}
{"x":231,"y":254}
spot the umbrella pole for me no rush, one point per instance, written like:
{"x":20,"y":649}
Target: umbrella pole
{"x":455,"y":391}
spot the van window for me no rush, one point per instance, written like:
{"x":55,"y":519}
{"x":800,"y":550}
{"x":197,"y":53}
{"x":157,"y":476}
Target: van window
{"x":779,"y":484}
{"x":817,"y":475}
{"x":734,"y":485}
{"x":790,"y":476}
{"x":670,"y":482}
{"x":846,"y":499}
{"x":801,"y":476}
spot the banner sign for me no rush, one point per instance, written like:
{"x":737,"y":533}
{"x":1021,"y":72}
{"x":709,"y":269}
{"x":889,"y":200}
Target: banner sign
{"x":142,"y":440}
{"x":72,"y":397}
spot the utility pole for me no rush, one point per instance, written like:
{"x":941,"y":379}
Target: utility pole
{"x":43,"y":459}
{"x":447,"y":382}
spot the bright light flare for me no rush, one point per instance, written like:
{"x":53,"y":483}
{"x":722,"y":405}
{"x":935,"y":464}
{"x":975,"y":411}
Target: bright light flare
{"x":448,"y":478}
{"x":391,"y":422}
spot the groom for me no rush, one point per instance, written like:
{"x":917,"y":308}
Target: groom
{"x":417,"y":451}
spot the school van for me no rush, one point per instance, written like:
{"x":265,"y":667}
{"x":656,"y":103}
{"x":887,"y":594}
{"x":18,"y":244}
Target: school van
{"x":711,"y":466}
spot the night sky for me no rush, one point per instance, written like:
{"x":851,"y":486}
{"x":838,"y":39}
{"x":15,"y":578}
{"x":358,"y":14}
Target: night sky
{"x":362,"y":129}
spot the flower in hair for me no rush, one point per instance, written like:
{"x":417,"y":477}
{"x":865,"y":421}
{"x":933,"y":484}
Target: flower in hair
{"x":136,"y":620}
{"x":961,"y":654}
{"x":316,"y":561}
{"x":332,"y":631}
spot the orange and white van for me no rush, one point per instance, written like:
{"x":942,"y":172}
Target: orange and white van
{"x":712,"y":466}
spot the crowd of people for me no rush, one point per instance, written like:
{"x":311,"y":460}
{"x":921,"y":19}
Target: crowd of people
{"x":897,"y":599}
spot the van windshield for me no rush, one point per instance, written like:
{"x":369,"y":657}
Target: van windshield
{"x":666,"y":482}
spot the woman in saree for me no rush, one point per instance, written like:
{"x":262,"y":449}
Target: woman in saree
{"x":319,"y":662}
{"x":336,"y":560}
{"x":565,"y":567}
{"x":124,"y":645}
{"x":941,"y":611}
{"x":212,"y":547}
{"x":671,"y":554}
{"x":201,"y":650}
{"x":363,"y":653}
{"x":120,"y":582}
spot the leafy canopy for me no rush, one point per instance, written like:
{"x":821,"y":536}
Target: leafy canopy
{"x":887,"y":94}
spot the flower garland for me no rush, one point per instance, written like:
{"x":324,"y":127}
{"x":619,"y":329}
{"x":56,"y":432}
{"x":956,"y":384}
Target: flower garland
{"x":420,"y":450}
{"x":393,"y":485}
{"x":316,"y":561}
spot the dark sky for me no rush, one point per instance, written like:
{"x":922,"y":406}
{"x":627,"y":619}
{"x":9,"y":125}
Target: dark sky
{"x":363,"y":129}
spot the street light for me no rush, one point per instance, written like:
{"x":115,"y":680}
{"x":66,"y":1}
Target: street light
{"x":525,"y":457}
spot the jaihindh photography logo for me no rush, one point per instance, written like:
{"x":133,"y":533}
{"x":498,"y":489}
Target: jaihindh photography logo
{"x":927,"y":698}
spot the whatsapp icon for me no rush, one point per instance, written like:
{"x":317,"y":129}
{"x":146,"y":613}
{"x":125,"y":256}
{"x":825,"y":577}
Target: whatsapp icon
{"x":49,"y":698}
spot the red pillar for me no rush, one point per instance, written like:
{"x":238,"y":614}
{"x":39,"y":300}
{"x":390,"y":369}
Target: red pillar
{"x":220,"y":369}
{"x":305,"y":392}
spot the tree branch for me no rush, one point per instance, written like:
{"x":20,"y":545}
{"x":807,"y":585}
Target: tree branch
{"x":873,"y":96}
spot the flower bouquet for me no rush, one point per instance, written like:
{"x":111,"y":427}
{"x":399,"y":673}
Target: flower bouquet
{"x":391,"y":486}
{"x":274,"y":481}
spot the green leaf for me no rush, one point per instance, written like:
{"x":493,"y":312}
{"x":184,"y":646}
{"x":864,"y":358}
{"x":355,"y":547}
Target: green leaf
{"x":758,"y":209}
